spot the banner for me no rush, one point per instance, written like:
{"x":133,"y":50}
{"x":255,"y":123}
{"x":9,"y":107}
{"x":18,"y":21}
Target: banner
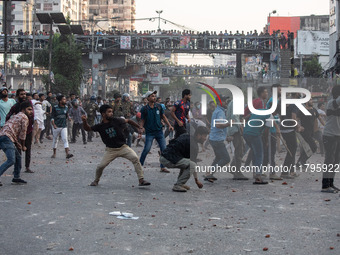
{"x":162,"y":81}
{"x":312,"y":43}
{"x":185,"y":42}
{"x":145,"y":87}
{"x":125,"y":42}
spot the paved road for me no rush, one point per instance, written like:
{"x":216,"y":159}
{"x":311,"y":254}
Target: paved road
{"x":58,"y":211}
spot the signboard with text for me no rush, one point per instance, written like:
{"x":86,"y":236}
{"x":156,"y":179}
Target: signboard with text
{"x":312,"y":42}
{"x":332,"y":17}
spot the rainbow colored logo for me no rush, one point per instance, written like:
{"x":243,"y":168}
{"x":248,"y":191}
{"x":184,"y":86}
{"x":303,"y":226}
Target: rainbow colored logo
{"x":209,"y":93}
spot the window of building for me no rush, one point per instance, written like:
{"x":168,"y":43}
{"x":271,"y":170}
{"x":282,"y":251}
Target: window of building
{"x":48,"y":7}
{"x":38,"y":6}
{"x":46,"y":28}
{"x":93,"y":11}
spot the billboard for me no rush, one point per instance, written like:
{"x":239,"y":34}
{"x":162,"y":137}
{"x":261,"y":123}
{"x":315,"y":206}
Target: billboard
{"x":125,"y":42}
{"x":312,"y":42}
{"x":332,"y":17}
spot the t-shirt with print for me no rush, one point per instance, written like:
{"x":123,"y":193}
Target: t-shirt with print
{"x":152,"y":118}
{"x":182,"y":110}
{"x":112,"y":133}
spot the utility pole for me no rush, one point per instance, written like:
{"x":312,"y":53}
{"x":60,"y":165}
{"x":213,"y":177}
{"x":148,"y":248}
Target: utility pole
{"x":33,"y":31}
{"x":159,"y":19}
{"x":50,"y":58}
{"x":5,"y":30}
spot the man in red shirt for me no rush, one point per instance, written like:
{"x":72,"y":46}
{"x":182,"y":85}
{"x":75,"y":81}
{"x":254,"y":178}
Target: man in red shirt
{"x":258,"y":103}
{"x":180,"y":113}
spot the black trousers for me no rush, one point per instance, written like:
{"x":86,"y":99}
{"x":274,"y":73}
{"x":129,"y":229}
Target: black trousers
{"x":290,"y":139}
{"x":311,"y":142}
{"x":28,"y":145}
{"x":332,"y":159}
{"x":75,"y":128}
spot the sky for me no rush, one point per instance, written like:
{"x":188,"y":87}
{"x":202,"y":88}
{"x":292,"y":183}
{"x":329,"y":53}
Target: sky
{"x":219,"y":15}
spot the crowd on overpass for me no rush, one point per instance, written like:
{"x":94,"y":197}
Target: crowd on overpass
{"x":165,"y":39}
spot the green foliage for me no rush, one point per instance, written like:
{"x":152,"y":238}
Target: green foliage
{"x":27,"y":58}
{"x":312,"y":68}
{"x":175,"y":88}
{"x":66,"y":63}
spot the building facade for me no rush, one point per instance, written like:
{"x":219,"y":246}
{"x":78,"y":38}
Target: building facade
{"x":334,"y":32}
{"x":118,"y":14}
{"x":22,"y":13}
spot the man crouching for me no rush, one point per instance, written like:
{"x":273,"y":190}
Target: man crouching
{"x":182,"y":153}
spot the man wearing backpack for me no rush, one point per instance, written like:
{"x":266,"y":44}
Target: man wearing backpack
{"x":151,"y":115}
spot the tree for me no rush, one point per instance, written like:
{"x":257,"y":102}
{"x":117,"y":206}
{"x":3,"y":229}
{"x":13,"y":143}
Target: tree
{"x":66,"y":63}
{"x":175,"y":88}
{"x":312,"y":68}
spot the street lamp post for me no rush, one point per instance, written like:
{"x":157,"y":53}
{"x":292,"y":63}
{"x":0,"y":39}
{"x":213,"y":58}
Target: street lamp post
{"x":159,"y":19}
{"x":273,"y":12}
{"x":33,"y":31}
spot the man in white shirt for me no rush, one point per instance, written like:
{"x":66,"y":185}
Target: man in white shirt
{"x":47,"y":109}
{"x":38,"y":118}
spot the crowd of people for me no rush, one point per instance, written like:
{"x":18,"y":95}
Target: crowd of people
{"x":122,"y":123}
{"x":162,"y":39}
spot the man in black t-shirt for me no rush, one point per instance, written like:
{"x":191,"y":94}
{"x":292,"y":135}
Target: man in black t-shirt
{"x":287,"y":130}
{"x":113,"y":133}
{"x":308,"y":122}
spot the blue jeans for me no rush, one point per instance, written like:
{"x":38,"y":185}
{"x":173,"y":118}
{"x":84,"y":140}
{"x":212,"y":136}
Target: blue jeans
{"x":148,"y":143}
{"x":221,"y":153}
{"x":129,"y":140}
{"x":13,"y":156}
{"x":256,"y":146}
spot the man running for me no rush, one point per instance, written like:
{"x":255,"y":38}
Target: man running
{"x":21,"y":97}
{"x":12,"y":140}
{"x":59,"y":124}
{"x":112,"y":132}
{"x":152,"y":114}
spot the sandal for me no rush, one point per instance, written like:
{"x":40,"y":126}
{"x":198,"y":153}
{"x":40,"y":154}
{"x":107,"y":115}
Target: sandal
{"x":329,"y":190}
{"x":211,"y":177}
{"x":144,"y":183}
{"x":164,"y":170}
{"x":259,"y":181}
{"x":335,"y":188}
{"x":94,"y":183}
{"x":69,"y":156}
